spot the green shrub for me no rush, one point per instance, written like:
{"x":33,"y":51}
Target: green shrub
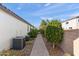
{"x":42,"y":32}
{"x":55,"y":23}
{"x":54,"y":35}
{"x":33,"y":33}
{"x":43,"y":27}
{"x":54,"y":32}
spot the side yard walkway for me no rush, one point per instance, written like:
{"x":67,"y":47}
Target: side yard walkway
{"x":39,"y":48}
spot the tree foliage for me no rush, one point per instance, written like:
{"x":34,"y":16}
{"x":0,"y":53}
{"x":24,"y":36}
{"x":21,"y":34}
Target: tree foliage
{"x":33,"y":33}
{"x":55,"y":23}
{"x":54,"y":32}
{"x":43,"y":26}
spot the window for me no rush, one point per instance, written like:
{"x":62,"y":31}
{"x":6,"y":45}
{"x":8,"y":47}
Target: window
{"x":78,"y":20}
{"x":70,"y":27}
{"x":67,"y":22}
{"x":27,"y":28}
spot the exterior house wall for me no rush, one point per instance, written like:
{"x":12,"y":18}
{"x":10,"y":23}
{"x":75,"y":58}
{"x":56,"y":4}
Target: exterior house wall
{"x":10,"y":27}
{"x":69,"y":45}
{"x":74,"y":23}
{"x":28,"y":28}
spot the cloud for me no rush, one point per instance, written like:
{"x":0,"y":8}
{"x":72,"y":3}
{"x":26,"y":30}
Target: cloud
{"x":75,"y":14}
{"x":19,"y":8}
{"x":22,"y":4}
{"x":69,"y":16}
{"x":66,"y":16}
{"x":47,"y":18}
{"x":55,"y":9}
{"x":47,"y":10}
{"x":47,"y":4}
{"x":61,"y":17}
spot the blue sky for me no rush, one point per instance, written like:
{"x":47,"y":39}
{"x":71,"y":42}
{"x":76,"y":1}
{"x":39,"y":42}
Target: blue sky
{"x":34,"y":13}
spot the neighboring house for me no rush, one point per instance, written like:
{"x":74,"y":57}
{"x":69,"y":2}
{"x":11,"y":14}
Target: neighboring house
{"x":72,"y":23}
{"x":70,"y":44}
{"x":11,"y":25}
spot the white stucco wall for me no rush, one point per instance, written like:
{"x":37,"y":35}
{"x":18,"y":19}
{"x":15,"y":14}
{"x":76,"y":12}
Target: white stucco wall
{"x":10,"y":27}
{"x":76,"y":47}
{"x":72,"y":23}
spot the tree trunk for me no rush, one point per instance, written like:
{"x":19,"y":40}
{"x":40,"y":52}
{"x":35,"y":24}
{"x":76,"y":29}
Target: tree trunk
{"x":53,"y":45}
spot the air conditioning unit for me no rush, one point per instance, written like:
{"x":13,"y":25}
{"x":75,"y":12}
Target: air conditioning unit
{"x":18,"y":43}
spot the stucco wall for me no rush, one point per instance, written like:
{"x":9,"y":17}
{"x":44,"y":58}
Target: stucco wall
{"x":76,"y":47}
{"x":74,"y":23}
{"x":10,"y":27}
{"x":68,"y":42}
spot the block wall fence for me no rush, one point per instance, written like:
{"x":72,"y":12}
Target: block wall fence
{"x":70,"y":44}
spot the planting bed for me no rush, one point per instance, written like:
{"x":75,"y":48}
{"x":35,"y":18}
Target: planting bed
{"x":53,"y":52}
{"x":24,"y":52}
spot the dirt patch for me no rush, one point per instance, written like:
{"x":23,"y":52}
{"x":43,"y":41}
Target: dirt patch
{"x":24,"y":52}
{"x":53,"y":52}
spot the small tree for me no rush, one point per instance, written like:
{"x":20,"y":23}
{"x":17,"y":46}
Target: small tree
{"x":54,"y":32}
{"x":33,"y":33}
{"x":55,"y":23}
{"x":43,"y":27}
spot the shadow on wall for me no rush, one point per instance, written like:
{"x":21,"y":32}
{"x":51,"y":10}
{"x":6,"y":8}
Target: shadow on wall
{"x":69,"y":43}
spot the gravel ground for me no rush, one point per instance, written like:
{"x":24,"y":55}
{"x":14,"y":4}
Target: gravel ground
{"x":24,"y":52}
{"x":53,"y":52}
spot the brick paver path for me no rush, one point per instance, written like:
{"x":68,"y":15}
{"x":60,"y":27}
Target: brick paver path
{"x":39,"y":48}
